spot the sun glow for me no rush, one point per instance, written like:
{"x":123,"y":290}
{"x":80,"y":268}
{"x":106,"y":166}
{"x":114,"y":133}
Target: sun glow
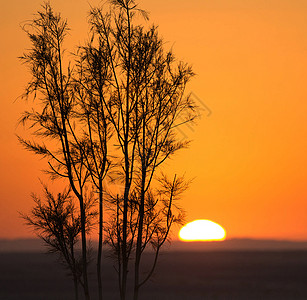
{"x":202,"y":230}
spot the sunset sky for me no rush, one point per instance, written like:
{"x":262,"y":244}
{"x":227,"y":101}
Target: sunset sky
{"x":248,"y":158}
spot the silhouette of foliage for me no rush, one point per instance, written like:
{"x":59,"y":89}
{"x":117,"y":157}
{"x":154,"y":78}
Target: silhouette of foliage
{"x":57,"y":222}
{"x":112,"y":113}
{"x":63,"y":123}
{"x":145,"y":100}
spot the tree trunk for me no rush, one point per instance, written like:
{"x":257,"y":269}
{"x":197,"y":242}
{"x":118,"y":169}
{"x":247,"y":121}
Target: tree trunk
{"x":76,"y":287}
{"x":99,"y":257}
{"x":124,"y":247}
{"x":84,"y":251}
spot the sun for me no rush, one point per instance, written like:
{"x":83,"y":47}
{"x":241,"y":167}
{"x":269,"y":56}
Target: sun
{"x":202,"y":230}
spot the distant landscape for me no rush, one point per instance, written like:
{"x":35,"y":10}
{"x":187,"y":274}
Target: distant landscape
{"x":232,"y":269}
{"x":36,"y":245}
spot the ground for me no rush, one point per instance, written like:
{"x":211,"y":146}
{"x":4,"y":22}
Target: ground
{"x":180,"y":275}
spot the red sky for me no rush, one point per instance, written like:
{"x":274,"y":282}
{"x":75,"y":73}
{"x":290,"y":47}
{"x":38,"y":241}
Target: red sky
{"x":248,"y":157}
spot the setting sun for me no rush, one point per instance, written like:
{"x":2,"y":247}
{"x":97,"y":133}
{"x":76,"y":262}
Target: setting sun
{"x":202,"y":230}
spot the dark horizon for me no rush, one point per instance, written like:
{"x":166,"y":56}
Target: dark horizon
{"x":232,"y":244}
{"x":237,"y":268}
{"x":179,"y":275}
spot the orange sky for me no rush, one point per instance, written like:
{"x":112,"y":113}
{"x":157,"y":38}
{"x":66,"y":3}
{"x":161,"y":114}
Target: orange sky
{"x":248,"y":157}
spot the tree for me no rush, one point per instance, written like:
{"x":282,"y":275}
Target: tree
{"x":90,"y":87}
{"x":112,"y":113}
{"x":146,"y":89}
{"x":55,"y":117}
{"x":58,"y":223}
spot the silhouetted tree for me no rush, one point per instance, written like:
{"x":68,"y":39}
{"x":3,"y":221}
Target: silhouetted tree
{"x":55,"y":115}
{"x":58,"y":223}
{"x":146,"y":104}
{"x":114,"y":113}
{"x":90,"y":90}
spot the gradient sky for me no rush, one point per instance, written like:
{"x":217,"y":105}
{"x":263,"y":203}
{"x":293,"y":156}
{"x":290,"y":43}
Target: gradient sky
{"x":248,"y":156}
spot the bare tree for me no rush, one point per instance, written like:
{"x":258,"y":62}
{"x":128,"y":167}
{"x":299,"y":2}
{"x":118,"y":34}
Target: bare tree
{"x":58,"y":223}
{"x":146,"y":88}
{"x":90,"y":91}
{"x":53,"y":117}
{"x":114,"y":113}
